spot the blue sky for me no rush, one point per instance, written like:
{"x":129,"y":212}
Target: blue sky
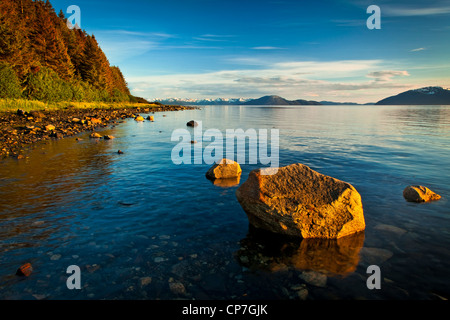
{"x":315,"y":50}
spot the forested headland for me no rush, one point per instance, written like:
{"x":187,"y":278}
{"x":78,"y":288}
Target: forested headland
{"x":41,"y":58}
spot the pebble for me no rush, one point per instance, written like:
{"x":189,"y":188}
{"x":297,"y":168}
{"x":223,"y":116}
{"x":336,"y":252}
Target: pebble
{"x":55,"y":257}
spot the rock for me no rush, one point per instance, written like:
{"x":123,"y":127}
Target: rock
{"x":108,"y":137}
{"x":49,"y":127}
{"x":298,"y":201}
{"x":139,"y":118}
{"x":225,"y":169}
{"x":95,"y":135}
{"x":375,"y":256}
{"x":96,"y":121}
{"x":151,"y":118}
{"x":37,"y":115}
{"x":145,"y":281}
{"x":25,"y":270}
{"x":76,"y":120}
{"x":57,"y":135}
{"x":120,"y":152}
{"x":419,"y":194}
{"x":177,"y":288}
{"x":192,"y":123}
{"x":390,"y":228}
{"x":314,"y":278}
{"x":20,"y":112}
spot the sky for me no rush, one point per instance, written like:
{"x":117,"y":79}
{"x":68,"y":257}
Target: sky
{"x":312,"y":50}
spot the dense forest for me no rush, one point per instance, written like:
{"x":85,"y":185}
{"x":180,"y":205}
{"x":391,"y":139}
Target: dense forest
{"x":42,"y":59}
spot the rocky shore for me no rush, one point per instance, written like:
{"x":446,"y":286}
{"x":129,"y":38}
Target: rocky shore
{"x":20,"y":129}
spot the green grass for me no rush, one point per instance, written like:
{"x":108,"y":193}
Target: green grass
{"x":12,"y":105}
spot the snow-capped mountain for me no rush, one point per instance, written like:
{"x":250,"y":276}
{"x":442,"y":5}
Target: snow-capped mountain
{"x":203,"y":102}
{"x":421,"y":96}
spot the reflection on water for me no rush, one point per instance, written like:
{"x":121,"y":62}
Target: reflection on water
{"x":227,"y":183}
{"x":265,"y":251}
{"x":35,"y":190}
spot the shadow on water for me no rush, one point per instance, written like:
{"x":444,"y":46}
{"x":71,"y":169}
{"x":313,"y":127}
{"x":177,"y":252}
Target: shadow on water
{"x":265,"y":251}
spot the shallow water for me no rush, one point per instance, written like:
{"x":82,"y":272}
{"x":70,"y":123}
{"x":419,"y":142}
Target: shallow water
{"x":138,"y":225}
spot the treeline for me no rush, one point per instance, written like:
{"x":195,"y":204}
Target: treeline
{"x":42,"y":59}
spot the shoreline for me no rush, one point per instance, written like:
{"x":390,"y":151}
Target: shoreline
{"x":21,"y":129}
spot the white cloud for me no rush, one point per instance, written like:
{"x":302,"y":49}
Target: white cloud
{"x":386,"y":75}
{"x":267,"y":48}
{"x":418,"y":49}
{"x":411,"y":12}
{"x":293,"y":80}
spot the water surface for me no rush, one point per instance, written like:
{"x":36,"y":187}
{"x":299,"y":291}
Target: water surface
{"x":136,"y":224}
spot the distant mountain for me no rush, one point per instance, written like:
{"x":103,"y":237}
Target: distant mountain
{"x":331,"y":103}
{"x":422,"y":96}
{"x":203,"y":102}
{"x":266,"y":100}
{"x":278,"y":101}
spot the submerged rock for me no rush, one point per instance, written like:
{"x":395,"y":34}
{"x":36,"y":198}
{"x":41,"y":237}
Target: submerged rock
{"x":192,"y":123}
{"x":298,"y":201}
{"x":419,"y":194}
{"x":225,"y":169}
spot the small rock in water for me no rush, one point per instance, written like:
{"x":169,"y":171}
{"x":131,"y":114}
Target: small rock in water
{"x":177,"y":288}
{"x":224,"y":169}
{"x":419,"y":194}
{"x":108,"y":137}
{"x":192,"y":123}
{"x":389,"y":228}
{"x":139,"y":118}
{"x":25,"y":270}
{"x":376,"y":256}
{"x":145,"y":281}
{"x":314,"y":278}
{"x":95,"y":135}
{"x":120,"y":152}
{"x":55,"y":257}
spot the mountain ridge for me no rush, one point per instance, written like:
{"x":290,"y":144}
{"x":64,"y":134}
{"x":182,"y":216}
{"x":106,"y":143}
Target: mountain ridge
{"x":433,"y":95}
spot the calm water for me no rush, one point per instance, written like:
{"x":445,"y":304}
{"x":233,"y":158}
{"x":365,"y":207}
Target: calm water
{"x":139,"y":226}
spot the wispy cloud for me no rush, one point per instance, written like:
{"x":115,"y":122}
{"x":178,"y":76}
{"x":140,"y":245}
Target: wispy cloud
{"x":396,"y":11}
{"x":418,"y":49}
{"x":386,"y":75}
{"x":267,"y":48}
{"x":214,"y":37}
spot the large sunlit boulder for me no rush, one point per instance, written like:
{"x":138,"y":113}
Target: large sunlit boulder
{"x":299,"y":201}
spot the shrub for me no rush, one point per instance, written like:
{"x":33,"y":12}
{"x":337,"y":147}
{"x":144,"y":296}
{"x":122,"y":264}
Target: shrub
{"x":9,"y":82}
{"x":45,"y":85}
